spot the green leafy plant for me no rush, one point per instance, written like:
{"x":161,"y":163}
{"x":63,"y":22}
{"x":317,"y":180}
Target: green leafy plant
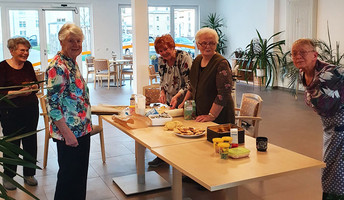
{"x":327,"y":53}
{"x":6,"y":147}
{"x":263,"y":54}
{"x":216,"y":23}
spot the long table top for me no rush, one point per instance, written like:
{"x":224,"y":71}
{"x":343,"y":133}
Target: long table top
{"x":155,"y":136}
{"x":195,"y":157}
{"x":199,"y":161}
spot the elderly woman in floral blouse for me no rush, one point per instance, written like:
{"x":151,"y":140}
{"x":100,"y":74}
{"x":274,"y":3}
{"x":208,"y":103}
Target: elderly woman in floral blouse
{"x":324,"y":93}
{"x":174,"y":66}
{"x":70,"y":112}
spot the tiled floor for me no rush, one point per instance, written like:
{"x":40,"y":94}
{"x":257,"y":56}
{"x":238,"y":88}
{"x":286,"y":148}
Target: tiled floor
{"x":286,"y":122}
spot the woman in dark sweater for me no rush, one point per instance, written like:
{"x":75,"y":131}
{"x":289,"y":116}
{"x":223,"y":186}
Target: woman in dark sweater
{"x":24,"y":117}
{"x":211,"y":81}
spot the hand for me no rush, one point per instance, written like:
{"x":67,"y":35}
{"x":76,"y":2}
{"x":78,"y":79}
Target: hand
{"x":174,"y":102}
{"x":205,"y":118}
{"x":162,"y":98}
{"x":181,"y":105}
{"x":71,"y":140}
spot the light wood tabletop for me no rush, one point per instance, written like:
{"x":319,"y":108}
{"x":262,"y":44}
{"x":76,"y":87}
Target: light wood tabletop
{"x":199,"y":161}
{"x":156,"y":136}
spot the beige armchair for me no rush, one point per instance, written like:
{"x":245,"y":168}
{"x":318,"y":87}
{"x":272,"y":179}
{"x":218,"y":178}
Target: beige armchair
{"x":248,"y":115}
{"x":89,"y":66}
{"x":152,"y":74}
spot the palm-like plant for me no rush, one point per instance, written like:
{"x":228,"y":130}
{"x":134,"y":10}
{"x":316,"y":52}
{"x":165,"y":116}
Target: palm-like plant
{"x":15,"y":154}
{"x":216,"y":23}
{"x":263,"y":54}
{"x":288,"y":70}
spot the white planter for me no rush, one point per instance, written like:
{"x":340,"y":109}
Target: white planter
{"x":260,"y":72}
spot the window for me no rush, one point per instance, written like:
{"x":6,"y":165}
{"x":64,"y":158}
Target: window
{"x":182,"y":26}
{"x":22,"y":33}
{"x":22,"y":24}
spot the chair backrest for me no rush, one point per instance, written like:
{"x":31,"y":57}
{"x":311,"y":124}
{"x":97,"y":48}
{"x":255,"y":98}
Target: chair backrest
{"x":40,"y":77}
{"x":127,"y":57}
{"x":152,"y":93}
{"x":43,"y":101}
{"x":251,"y":106}
{"x":89,"y":61}
{"x":101,"y":64}
{"x":151,"y":70}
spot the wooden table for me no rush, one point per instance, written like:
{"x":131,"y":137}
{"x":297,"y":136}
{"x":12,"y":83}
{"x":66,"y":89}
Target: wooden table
{"x":118,"y":64}
{"x":195,"y":158}
{"x":199,"y":161}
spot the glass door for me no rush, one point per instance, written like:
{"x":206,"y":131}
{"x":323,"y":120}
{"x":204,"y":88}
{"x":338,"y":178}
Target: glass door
{"x":25,"y":23}
{"x":54,"y":20}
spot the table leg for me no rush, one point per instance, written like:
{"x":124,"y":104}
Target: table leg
{"x":141,"y":181}
{"x":177,"y":189}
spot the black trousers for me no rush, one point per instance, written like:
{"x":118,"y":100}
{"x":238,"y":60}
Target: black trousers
{"x":73,"y":166}
{"x":24,"y":119}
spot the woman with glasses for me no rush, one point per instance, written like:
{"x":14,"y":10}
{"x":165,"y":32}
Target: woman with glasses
{"x":324,"y":84}
{"x":211,"y":81}
{"x":23,"y":117}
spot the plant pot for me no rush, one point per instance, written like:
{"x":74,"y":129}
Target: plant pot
{"x":260,"y":72}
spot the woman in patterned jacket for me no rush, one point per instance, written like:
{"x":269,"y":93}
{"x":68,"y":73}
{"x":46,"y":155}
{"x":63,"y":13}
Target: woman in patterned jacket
{"x":324,"y":93}
{"x":69,"y":110}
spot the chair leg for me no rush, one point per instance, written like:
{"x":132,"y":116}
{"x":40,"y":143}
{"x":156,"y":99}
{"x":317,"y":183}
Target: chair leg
{"x":94,"y":81}
{"x":46,"y":148}
{"x":101,"y":137}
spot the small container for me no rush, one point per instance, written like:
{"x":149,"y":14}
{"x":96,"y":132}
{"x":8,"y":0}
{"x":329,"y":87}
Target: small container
{"x":140,"y":104}
{"x":189,"y":110}
{"x":223,"y":150}
{"x":227,"y":139}
{"x":216,"y":142}
{"x":262,"y":143}
{"x":132,"y":104}
{"x":234,"y":135}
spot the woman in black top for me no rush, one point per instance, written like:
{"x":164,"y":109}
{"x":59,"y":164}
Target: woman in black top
{"x":22,"y":118}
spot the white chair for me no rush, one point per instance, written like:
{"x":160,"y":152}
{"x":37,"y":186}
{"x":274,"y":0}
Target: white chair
{"x":249,"y":113}
{"x":103,"y":69}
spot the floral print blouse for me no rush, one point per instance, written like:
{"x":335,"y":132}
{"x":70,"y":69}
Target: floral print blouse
{"x":68,"y":97}
{"x":325,"y":94}
{"x":174,"y":79}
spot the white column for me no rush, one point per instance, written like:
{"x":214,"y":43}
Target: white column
{"x":140,"y":44}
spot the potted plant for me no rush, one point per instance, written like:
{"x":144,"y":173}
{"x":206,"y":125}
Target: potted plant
{"x":12,"y":150}
{"x":216,"y":23}
{"x":264,"y":56}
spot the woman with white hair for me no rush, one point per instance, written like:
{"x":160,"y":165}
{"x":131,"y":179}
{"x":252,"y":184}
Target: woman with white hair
{"x":211,"y":81}
{"x":69,"y":110}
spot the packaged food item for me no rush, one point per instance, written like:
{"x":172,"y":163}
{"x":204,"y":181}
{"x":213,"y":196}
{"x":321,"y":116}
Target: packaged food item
{"x":228,"y":139}
{"x":234,"y":135}
{"x":216,"y":142}
{"x":189,"y":110}
{"x":239,"y":152}
{"x":223,"y":150}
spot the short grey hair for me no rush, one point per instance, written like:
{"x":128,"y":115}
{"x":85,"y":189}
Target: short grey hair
{"x":204,"y":31}
{"x":306,"y":41}
{"x":70,"y":28}
{"x":12,"y":43}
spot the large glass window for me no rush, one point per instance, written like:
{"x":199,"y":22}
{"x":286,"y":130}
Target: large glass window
{"x":85,"y":24}
{"x":184,"y":23}
{"x":23,"y":23}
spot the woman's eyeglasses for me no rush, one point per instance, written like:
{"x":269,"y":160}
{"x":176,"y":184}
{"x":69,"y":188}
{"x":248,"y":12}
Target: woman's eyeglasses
{"x":301,"y":53}
{"x":205,"y":44}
